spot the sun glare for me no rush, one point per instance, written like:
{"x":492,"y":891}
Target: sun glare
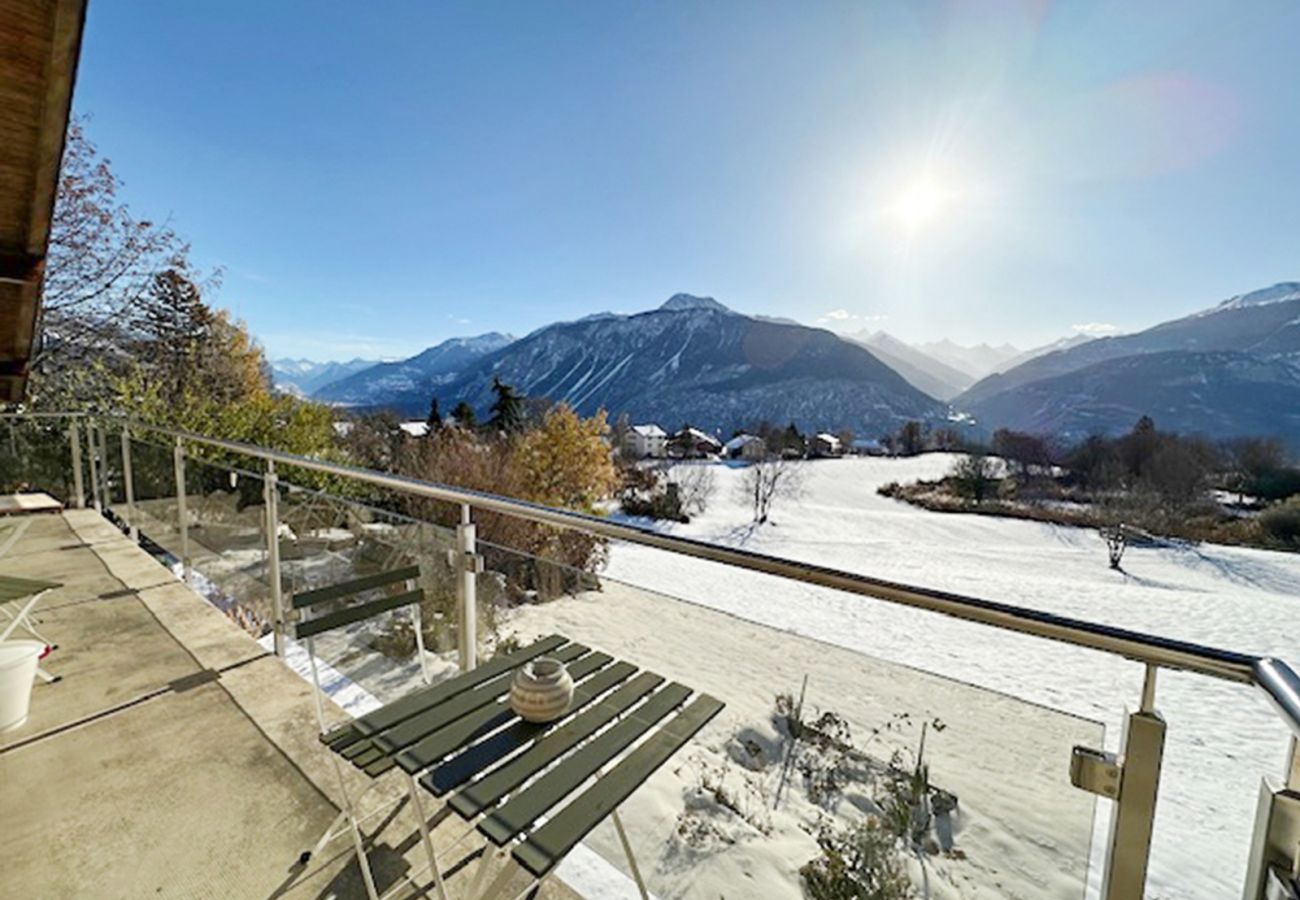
{"x":920,"y":203}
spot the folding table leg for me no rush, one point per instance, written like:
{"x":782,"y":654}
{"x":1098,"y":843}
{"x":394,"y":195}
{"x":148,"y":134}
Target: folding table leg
{"x":326,"y":836}
{"x":46,"y":676}
{"x":631,"y":857}
{"x":425,"y":837}
{"x":500,"y":883}
{"x":363,"y":862}
{"x":21,"y":618}
{"x":484,"y":863}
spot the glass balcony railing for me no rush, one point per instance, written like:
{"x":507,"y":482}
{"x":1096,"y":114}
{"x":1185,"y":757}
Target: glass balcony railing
{"x":851,"y":736}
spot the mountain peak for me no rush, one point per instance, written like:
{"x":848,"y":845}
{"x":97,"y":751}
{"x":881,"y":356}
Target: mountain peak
{"x":1282,"y":292}
{"x":690,"y":301}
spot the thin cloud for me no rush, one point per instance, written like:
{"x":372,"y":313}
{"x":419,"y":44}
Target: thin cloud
{"x":1095,"y":329}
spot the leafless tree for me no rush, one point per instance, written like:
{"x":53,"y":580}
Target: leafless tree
{"x":1116,"y":542}
{"x":695,"y":486}
{"x":768,"y":481}
{"x":100,"y":272}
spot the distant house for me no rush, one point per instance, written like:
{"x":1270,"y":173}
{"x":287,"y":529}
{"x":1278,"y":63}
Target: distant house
{"x":691,"y":443}
{"x":746,"y":446}
{"x":826,"y":444}
{"x":415,"y":429}
{"x":643,"y":441}
{"x":868,"y":447}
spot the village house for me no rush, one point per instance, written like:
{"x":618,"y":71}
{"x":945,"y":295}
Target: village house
{"x":691,"y":443}
{"x":826,"y":445}
{"x":746,"y":446}
{"x":868,"y":447}
{"x":643,"y":441}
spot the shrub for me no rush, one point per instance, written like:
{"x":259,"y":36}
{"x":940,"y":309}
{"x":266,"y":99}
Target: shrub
{"x":861,"y":862}
{"x":1282,"y":522}
{"x":974,"y":477}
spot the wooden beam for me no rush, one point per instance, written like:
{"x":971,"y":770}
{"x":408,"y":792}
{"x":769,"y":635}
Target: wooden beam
{"x":60,"y":75}
{"x":19,"y":268}
{"x":45,"y":37}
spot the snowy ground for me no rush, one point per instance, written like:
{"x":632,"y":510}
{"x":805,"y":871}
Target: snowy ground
{"x":1008,"y":761}
{"x":1222,"y":737}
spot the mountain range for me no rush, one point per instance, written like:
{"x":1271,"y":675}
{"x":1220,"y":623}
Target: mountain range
{"x":409,"y":383}
{"x":1232,"y":369}
{"x":975,"y":362}
{"x":304,"y":377}
{"x":694,"y":360}
{"x":923,"y":371}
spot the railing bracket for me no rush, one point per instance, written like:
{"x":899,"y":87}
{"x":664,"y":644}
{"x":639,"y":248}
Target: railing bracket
{"x":472,"y":562}
{"x":1096,"y":771}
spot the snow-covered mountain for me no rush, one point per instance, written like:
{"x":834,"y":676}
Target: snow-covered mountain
{"x":1020,"y":359}
{"x":409,"y":383}
{"x":921,"y":370}
{"x":1239,"y":323}
{"x":1236,"y":355}
{"x":1220,"y":394}
{"x":976,"y":361}
{"x":694,"y":360}
{"x":304,"y":377}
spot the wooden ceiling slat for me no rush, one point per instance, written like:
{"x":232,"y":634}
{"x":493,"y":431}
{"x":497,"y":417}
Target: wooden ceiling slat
{"x":40,"y":43}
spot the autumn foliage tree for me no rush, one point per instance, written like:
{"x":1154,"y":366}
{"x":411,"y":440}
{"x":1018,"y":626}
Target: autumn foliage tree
{"x":129,"y":326}
{"x":563,"y":460}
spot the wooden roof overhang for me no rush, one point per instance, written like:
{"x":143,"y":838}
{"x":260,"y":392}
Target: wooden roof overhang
{"x":40,"y":42}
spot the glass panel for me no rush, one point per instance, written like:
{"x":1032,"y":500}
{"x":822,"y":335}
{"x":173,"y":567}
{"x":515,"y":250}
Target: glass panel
{"x":154,"y":480}
{"x":109,"y":448}
{"x":327,"y":540}
{"x":227,"y":542}
{"x":827,"y":764}
{"x":35,"y":455}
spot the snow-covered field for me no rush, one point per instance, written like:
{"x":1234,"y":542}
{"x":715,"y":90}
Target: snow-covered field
{"x":1222,"y":737}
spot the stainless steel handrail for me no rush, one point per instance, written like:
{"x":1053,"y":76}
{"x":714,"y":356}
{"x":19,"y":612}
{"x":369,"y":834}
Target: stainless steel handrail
{"x":1144,"y":648}
{"x":1281,"y":685}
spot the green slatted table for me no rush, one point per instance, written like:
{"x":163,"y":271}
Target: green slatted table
{"x":533,"y":790}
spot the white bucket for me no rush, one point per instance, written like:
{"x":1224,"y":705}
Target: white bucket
{"x":18,"y":660}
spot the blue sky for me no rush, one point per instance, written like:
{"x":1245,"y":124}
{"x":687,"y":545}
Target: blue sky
{"x":377,"y":177}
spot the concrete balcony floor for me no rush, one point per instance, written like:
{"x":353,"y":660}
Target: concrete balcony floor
{"x":176,"y":758}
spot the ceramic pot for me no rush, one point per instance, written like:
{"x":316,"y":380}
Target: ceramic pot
{"x":542,"y":690}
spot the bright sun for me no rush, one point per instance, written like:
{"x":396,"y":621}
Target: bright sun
{"x":921,"y":202}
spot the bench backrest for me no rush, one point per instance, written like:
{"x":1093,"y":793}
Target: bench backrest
{"x":347,"y":615}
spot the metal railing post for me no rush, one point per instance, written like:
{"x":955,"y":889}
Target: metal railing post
{"x":1132,"y":780}
{"x":106,"y":477}
{"x":94,"y":468}
{"x":78,"y":485}
{"x":1273,"y":868}
{"x":468,"y":562}
{"x":1293,"y":765}
{"x":182,"y":511}
{"x":128,"y":484}
{"x":271,"y":489}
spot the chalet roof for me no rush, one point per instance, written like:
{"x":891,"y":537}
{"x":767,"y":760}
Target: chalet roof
{"x":649,"y":431}
{"x":741,"y":440}
{"x":42,"y":42}
{"x":698,"y":436}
